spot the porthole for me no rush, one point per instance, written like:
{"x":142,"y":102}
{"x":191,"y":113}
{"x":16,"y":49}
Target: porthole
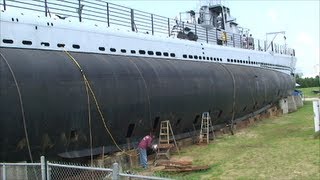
{"x":123,"y":50}
{"x":203,"y":57}
{"x":113,"y":50}
{"x":240,"y":61}
{"x":211,"y":58}
{"x":76,"y":46}
{"x":133,"y":51}
{"x":45,"y":44}
{"x":172,"y":54}
{"x":208,"y":58}
{"x":232,"y":60}
{"x":26,"y":42}
{"x":246,"y":62}
{"x":190,"y":57}
{"x":158,"y":53}
{"x":150,"y":53}
{"x":166,"y":54}
{"x":7,"y":41}
{"x":60,"y":45}
{"x":184,"y":56}
{"x":142,"y":52}
{"x":228,"y":60}
{"x":195,"y":57}
{"x":220,"y":59}
{"x":214,"y":59}
{"x":102,"y":48}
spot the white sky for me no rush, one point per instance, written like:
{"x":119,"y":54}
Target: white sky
{"x":300,"y":20}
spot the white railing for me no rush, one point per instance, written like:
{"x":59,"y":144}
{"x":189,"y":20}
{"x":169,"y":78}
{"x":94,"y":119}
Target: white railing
{"x":135,"y":20}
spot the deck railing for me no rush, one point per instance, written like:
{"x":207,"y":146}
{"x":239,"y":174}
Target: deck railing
{"x":101,"y":11}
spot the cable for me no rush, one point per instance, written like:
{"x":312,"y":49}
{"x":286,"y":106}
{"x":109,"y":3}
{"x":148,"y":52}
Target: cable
{"x":21,"y":105}
{"x":95,"y":99}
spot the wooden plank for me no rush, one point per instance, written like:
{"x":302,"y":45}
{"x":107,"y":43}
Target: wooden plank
{"x":187,"y":169}
{"x":168,"y":163}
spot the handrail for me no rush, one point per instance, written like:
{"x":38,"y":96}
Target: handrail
{"x":136,"y":20}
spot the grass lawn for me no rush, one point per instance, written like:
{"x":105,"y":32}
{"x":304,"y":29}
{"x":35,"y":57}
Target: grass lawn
{"x":307,"y":92}
{"x":276,"y":148}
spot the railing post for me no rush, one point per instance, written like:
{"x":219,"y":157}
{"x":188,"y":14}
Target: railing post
{"x":80,"y":10}
{"x":115,"y":171}
{"x":108,"y":15}
{"x":43,"y":168}
{"x":234,"y":43}
{"x":46,"y":7}
{"x":195,"y":29}
{"x":207,"y":35}
{"x":132,"y":20}
{"x":169,"y":26}
{"x":4,"y":5}
{"x":152,"y":24}
{"x":4,"y":176}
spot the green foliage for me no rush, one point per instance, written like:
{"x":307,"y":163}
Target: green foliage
{"x":276,"y":148}
{"x":308,"y":82}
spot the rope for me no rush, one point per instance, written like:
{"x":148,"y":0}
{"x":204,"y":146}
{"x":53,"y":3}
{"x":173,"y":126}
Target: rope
{"x":21,"y":105}
{"x":95,"y":100}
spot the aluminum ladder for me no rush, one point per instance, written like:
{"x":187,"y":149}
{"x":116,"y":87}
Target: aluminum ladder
{"x":206,"y":127}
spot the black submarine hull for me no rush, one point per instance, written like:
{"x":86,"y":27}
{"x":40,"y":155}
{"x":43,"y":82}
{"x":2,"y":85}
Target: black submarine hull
{"x":134,"y":94}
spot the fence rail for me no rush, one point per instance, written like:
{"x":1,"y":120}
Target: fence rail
{"x":135,"y":20}
{"x":46,"y":170}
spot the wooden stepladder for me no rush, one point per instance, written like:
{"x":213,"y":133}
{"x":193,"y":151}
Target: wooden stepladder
{"x":206,"y":127}
{"x":166,"y":137}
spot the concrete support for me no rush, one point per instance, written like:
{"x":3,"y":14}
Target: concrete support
{"x":291,"y":104}
{"x":299,"y":101}
{"x":283,"y":103}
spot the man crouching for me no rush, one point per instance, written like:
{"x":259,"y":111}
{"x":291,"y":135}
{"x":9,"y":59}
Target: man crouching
{"x":145,"y":143}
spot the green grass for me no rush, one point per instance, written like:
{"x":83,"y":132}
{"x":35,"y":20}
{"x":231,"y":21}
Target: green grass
{"x":277,"y":148}
{"x":307,"y":92}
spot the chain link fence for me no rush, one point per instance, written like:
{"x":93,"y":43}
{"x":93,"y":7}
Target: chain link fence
{"x":59,"y":171}
{"x":20,"y":171}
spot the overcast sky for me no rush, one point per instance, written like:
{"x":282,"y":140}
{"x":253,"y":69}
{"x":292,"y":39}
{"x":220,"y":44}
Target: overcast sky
{"x":300,"y":20}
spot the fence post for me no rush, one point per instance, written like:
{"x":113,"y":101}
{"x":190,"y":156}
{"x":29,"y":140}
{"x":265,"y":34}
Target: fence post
{"x":43,"y":168}
{"x":4,"y":172}
{"x":115,"y":171}
{"x":48,"y":171}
